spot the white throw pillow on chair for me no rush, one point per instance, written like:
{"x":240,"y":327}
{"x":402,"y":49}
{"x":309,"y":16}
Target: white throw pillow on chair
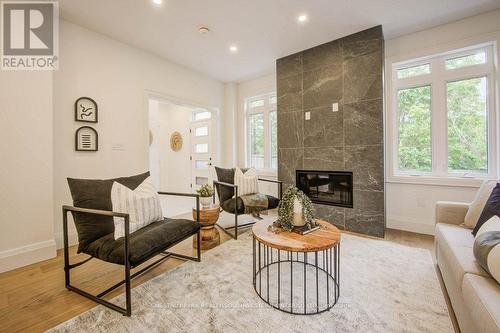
{"x":142,"y":204}
{"x":247,"y":182}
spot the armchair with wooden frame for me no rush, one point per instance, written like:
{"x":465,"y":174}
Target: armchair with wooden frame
{"x":93,"y":219}
{"x":231,"y":203}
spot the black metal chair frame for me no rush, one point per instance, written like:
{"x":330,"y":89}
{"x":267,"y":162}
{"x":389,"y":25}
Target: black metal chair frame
{"x":127,"y":311}
{"x":236,"y":214}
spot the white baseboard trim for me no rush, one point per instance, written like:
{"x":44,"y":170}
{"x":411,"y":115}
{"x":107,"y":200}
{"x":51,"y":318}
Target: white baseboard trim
{"x":26,"y":255}
{"x":410,"y":224}
{"x":72,"y":238}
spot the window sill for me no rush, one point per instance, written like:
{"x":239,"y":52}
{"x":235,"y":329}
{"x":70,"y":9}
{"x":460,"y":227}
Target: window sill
{"x":267,"y":173}
{"x":437,"y":181}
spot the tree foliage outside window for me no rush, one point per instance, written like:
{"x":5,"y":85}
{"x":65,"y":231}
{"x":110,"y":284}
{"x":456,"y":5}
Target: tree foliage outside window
{"x":414,"y":125}
{"x":467,"y":126}
{"x":257,"y":140}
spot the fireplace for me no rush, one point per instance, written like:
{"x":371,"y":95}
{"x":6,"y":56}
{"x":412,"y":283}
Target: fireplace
{"x":326,"y":187}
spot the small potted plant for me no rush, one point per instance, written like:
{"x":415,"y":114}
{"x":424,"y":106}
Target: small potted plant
{"x":205,"y":192}
{"x":295,"y":210}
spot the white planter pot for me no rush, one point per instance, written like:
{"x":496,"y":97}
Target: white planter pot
{"x":298,"y":216}
{"x":205,"y":201}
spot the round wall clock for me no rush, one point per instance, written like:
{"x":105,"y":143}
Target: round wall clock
{"x":176,"y":141}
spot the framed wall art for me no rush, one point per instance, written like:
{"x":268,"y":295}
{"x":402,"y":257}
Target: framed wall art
{"x":86,"y":139}
{"x":86,"y":110}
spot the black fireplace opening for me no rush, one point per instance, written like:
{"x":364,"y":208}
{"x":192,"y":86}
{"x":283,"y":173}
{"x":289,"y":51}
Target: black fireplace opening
{"x":326,"y":187}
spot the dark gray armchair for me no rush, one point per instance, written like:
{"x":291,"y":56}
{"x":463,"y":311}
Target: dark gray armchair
{"x":95,"y":227}
{"x":231,"y":203}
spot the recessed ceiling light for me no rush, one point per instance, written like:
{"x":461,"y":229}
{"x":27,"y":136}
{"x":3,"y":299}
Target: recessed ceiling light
{"x":203,"y":30}
{"x":302,"y":18}
{"x":157,"y":2}
{"x":233,"y":48}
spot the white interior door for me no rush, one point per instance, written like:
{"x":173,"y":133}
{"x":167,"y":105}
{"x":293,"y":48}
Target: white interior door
{"x":202,"y":148}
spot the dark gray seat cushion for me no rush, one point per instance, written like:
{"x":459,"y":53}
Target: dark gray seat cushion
{"x":96,"y":194}
{"x":144,"y":243}
{"x":228,"y":205}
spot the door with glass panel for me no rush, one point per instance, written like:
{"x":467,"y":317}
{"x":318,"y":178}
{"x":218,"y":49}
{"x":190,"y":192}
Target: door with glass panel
{"x":201,"y":148}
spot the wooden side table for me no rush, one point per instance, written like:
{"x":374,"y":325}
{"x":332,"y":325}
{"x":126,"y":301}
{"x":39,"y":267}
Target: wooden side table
{"x":297,"y":274}
{"x":209,"y":234}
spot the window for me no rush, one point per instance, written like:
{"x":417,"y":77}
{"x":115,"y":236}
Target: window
{"x":442,"y":115}
{"x":201,"y":131}
{"x":261,"y":125}
{"x":201,"y":148}
{"x":202,"y":115}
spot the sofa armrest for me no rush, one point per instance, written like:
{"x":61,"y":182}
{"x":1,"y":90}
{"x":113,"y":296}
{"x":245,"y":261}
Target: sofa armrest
{"x":451,"y":212}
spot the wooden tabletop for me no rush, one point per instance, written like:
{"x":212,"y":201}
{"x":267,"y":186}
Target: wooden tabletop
{"x":318,"y":240}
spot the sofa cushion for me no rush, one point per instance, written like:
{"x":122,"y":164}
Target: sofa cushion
{"x":143,"y":243}
{"x":491,"y":208}
{"x":482,"y":298}
{"x":456,"y":248}
{"x":477,"y":205}
{"x":487,"y":252}
{"x":96,"y":194}
{"x":228,"y":205}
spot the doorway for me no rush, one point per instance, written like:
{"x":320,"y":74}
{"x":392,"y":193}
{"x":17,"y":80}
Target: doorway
{"x":181,"y":150}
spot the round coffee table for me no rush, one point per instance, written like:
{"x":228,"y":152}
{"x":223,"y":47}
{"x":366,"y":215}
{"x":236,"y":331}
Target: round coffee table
{"x":209,"y":234}
{"x":295,"y":273}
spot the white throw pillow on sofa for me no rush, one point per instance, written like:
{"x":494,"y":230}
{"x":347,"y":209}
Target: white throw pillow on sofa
{"x":477,"y":206}
{"x":247,"y":182}
{"x":142,"y":204}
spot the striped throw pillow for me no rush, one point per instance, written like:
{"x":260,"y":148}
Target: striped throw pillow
{"x":247,"y":182}
{"x":142,"y":204}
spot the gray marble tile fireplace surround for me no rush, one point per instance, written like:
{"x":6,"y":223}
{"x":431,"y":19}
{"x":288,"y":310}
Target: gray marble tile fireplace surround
{"x":347,"y":71}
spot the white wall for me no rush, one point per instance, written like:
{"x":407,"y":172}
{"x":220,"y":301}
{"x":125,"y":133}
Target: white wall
{"x":411,"y":206}
{"x":26,"y":175}
{"x":120,"y":78}
{"x":175,"y":166}
{"x":229,"y":138}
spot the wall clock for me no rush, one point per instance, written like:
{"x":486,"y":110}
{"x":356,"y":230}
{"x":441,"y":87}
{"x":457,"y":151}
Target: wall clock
{"x":86,"y":139}
{"x":86,"y":110}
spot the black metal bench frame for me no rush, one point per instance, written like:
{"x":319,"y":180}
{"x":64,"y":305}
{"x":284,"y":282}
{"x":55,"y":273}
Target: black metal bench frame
{"x":236,"y":214}
{"x":127,"y":311}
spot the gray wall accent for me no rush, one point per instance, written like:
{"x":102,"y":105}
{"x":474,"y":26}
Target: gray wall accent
{"x":348,"y":71}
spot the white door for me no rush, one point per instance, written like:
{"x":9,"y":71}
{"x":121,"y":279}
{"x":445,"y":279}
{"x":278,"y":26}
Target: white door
{"x":202,"y":148}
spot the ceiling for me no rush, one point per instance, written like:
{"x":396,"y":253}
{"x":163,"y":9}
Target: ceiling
{"x":264,"y":30}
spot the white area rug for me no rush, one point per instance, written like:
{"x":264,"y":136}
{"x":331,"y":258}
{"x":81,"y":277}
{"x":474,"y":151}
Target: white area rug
{"x":385,"y":287}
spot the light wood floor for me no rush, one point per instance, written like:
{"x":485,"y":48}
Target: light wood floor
{"x":33,"y":298}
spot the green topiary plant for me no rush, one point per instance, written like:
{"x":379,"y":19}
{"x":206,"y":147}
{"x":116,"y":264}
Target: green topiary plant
{"x":205,"y":191}
{"x":285,"y":209}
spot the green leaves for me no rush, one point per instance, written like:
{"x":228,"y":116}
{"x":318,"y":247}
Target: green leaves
{"x":205,"y":190}
{"x":285,"y":208}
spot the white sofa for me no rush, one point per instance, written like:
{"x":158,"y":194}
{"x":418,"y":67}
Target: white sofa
{"x":474,"y":295}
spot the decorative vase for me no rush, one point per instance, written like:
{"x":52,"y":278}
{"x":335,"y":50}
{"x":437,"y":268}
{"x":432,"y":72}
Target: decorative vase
{"x":298,"y":215}
{"x":205,"y":201}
